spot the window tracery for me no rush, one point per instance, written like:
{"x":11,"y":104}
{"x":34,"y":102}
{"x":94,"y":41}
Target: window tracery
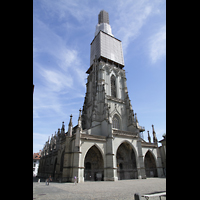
{"x":115,"y":122}
{"x":113,"y":86}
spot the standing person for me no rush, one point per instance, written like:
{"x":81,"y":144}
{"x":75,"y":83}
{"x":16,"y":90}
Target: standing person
{"x":46,"y":180}
{"x":49,"y":179}
{"x":75,"y":180}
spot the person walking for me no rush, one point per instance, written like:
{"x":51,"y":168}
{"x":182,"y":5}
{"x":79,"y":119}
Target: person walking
{"x":48,"y":180}
{"x":75,"y":180}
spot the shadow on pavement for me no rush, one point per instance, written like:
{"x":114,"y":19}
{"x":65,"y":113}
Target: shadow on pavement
{"x":35,"y":179}
{"x":155,"y":192}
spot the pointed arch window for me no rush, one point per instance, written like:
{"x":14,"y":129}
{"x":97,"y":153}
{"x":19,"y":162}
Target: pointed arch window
{"x":116,"y":122}
{"x":113,"y":86}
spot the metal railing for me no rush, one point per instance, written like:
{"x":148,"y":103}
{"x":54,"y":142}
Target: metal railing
{"x":141,"y":127}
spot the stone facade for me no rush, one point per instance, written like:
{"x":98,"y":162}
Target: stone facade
{"x":106,"y":143}
{"x":163,"y":153}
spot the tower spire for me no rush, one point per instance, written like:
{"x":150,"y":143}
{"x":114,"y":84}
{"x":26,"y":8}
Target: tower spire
{"x":149,"y":138}
{"x":80,"y":120}
{"x":63,"y":128}
{"x":103,"y":23}
{"x":70,"y":126}
{"x":136,"y":118}
{"x":103,"y":17}
{"x":154,"y":134}
{"x":78,"y":131}
{"x":70,"y":121}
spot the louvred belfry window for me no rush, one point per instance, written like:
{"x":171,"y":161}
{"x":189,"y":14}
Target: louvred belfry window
{"x":113,"y":86}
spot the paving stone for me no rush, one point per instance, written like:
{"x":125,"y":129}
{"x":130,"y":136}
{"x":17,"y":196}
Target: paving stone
{"x":124,"y":189}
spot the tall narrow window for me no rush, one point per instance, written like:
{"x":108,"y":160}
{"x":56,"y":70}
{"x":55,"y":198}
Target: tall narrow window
{"x":115,"y":122}
{"x":113,"y":86}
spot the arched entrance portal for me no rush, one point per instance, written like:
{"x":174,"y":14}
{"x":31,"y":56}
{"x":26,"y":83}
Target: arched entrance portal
{"x":150,"y":165}
{"x":94,"y":167}
{"x":126,"y":162}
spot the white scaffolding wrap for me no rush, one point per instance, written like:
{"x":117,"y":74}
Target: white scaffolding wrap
{"x":107,"y":46}
{"x":103,"y":27}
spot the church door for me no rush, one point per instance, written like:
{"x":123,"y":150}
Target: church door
{"x":94,"y":167}
{"x":126,"y":162}
{"x":150,"y":165}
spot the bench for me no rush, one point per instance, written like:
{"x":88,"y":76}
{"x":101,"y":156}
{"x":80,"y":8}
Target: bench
{"x":147,"y":196}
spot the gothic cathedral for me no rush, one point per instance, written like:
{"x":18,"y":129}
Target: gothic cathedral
{"x":106,"y":144}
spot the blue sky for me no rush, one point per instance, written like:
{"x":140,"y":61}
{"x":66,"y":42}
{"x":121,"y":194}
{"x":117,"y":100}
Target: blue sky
{"x":62,"y":33}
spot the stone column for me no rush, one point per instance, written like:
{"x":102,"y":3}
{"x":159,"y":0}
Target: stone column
{"x":159,"y":164}
{"x":140,"y":167}
{"x":77,"y":168}
{"x":111,"y":168}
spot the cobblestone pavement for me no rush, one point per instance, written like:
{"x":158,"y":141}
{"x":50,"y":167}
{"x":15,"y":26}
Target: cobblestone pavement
{"x":124,"y":189}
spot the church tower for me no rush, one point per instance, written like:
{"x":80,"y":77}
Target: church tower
{"x":106,"y":143}
{"x":107,"y":100}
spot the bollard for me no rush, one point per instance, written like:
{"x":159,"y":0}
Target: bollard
{"x":137,"y":196}
{"x":39,"y":180}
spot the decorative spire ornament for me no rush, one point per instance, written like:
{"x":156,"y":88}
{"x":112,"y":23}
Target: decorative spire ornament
{"x":149,"y":138}
{"x":154,"y":135}
{"x":70,"y":126}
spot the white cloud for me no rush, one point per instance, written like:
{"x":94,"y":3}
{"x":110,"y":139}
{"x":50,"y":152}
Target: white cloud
{"x":63,"y":9}
{"x":55,"y":47}
{"x":37,"y":147}
{"x":56,"y":89}
{"x":160,"y":132}
{"x":39,"y":141}
{"x":80,"y":75}
{"x":60,"y":75}
{"x":157,"y":45}
{"x":40,"y":136}
{"x":45,"y":103}
{"x":51,"y":43}
{"x":56,"y":81}
{"x":131,"y":16}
